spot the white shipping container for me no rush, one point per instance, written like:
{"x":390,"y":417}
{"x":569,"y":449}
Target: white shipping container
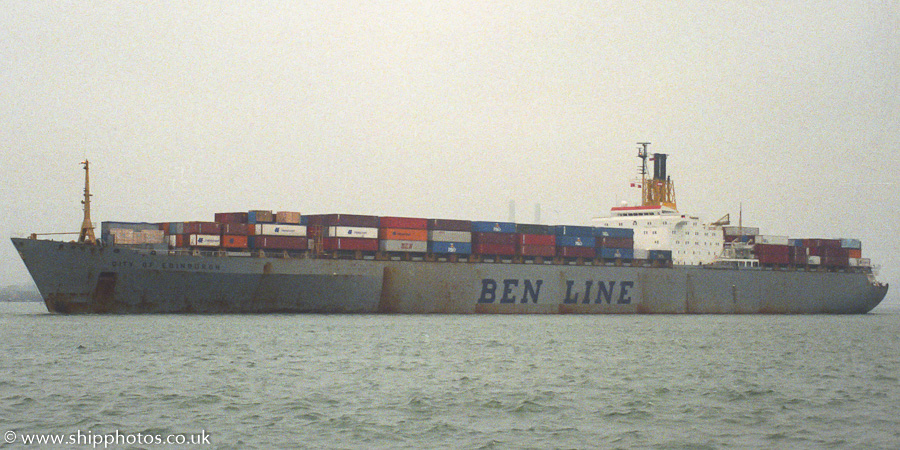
{"x":853,"y":262}
{"x":814,"y":260}
{"x":205,"y":240}
{"x":122,"y":236}
{"x":404,"y":246}
{"x":772,"y":240}
{"x":449,"y":236}
{"x":640,"y":253}
{"x":353,"y":232}
{"x":278,"y":229}
{"x":741,"y":231}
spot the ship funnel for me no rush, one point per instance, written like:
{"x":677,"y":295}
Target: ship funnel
{"x":659,"y":166}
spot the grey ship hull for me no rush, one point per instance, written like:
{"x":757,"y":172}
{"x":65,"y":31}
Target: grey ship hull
{"x":81,"y":278}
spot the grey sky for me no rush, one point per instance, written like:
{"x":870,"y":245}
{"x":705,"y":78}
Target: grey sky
{"x":452,"y":110}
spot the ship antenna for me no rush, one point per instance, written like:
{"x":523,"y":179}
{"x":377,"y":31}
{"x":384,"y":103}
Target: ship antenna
{"x":642,"y":154}
{"x":87,"y":228}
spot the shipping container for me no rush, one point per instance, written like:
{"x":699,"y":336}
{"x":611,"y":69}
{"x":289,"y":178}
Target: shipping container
{"x":616,"y":242}
{"x":232,"y":217}
{"x":202,"y":228}
{"x":639,"y":253}
{"x":278,"y":229}
{"x":855,"y":244}
{"x":573,"y":230}
{"x":797,"y":255}
{"x":151,"y":237}
{"x":260,"y":216}
{"x":614,"y":232}
{"x":837,"y":252}
{"x":449,"y":225}
{"x":403,"y":234}
{"x":740,"y":231}
{"x":449,"y":236}
{"x":814,"y":260}
{"x":772,"y":240}
{"x":575,"y":241}
{"x":494,"y":238}
{"x":278,"y":242}
{"x":234,"y":241}
{"x":657,"y":255}
{"x":349,"y":243}
{"x":833,"y":243}
{"x":576,"y":252}
{"x":536,"y":239}
{"x":352,"y":232}
{"x":527,"y":228}
{"x":395,"y":245}
{"x":118,"y":236}
{"x":494,"y":249}
{"x":176,"y":228}
{"x":404,"y":222}
{"x":449,"y":248}
{"x":287,"y":217}
{"x":204,"y":240}
{"x":854,"y":253}
{"x":133,"y":226}
{"x":238,"y":229}
{"x":865,"y":262}
{"x":548,"y":251}
{"x":343,"y":220}
{"x":795,"y":242}
{"x":493,"y":227}
{"x":773,"y":253}
{"x":616,"y":253}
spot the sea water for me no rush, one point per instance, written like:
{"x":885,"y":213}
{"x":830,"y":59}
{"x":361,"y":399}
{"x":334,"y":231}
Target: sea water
{"x":451,"y":381}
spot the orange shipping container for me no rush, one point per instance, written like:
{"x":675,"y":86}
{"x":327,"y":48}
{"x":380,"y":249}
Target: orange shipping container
{"x":403,"y":234}
{"x":289,"y":217}
{"x":855,"y":253}
{"x":234,"y":241}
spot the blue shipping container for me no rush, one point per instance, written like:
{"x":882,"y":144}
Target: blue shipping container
{"x":573,"y":230}
{"x":459,"y":248}
{"x":493,"y":227}
{"x":662,"y":255}
{"x":851,"y":243}
{"x":614,"y":232}
{"x":616,"y":253}
{"x":576,"y":241}
{"x":795,"y":242}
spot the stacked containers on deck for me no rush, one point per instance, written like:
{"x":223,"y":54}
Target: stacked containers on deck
{"x":494,"y":238}
{"x":131,"y":233}
{"x":403,"y":234}
{"x":797,"y":253}
{"x":449,"y":237}
{"x":285,"y":233}
{"x":235,"y":229}
{"x":575,"y":241}
{"x":535,"y":240}
{"x":347,"y":231}
{"x":740,"y":234}
{"x":618,"y":243}
{"x":195,"y":234}
{"x":853,"y":246}
{"x":772,"y":249}
{"x":826,"y":252}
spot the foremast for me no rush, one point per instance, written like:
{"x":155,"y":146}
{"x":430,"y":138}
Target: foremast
{"x":87,"y":228}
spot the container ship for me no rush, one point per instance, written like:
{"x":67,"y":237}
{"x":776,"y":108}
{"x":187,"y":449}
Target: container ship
{"x":642,"y":259}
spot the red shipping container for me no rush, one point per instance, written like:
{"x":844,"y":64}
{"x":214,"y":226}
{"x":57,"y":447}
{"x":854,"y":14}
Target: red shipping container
{"x":165,"y":227}
{"x":797,"y":255}
{"x":202,"y":228}
{"x":576,"y":252}
{"x":449,"y":225}
{"x":494,"y":238}
{"x":182,"y":240}
{"x":279,"y":242}
{"x":231,"y":217}
{"x":772,"y":253}
{"x":536,"y":250}
{"x":239,"y":229}
{"x":536,"y":240}
{"x":615,"y":242}
{"x":404,"y":222}
{"x":366,"y":245}
{"x":234,"y":241}
{"x":495,"y":249}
